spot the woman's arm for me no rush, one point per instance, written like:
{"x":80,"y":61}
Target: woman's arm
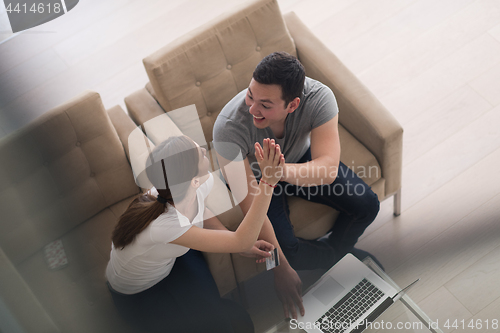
{"x":225,"y":241}
{"x":260,"y":250}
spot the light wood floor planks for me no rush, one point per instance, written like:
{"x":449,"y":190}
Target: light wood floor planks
{"x":397,"y":31}
{"x":428,"y":49}
{"x":434,"y":64}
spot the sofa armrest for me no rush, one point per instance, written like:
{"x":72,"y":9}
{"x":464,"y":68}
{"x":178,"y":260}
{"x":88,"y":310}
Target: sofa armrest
{"x":360,"y":111}
{"x":135,"y":143}
{"x":141,"y":106}
{"x":26,"y":312}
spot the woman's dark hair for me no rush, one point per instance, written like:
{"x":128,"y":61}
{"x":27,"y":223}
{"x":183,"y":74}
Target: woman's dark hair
{"x":170,"y":168}
{"x":284,"y":70}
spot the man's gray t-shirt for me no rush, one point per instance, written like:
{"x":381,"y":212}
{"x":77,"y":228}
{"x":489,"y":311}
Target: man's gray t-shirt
{"x":235,"y":125}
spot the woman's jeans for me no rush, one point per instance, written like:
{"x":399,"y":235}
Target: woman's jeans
{"x":187,"y":300}
{"x":358,"y":206}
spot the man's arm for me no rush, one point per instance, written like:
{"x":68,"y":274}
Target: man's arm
{"x":287,"y":282}
{"x":325,"y":158}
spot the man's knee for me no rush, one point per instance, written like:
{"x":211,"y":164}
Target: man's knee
{"x":372,"y":204}
{"x":364,"y":205}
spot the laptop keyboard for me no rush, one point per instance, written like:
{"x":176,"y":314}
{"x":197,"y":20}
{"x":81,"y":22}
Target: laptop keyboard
{"x":350,"y":308}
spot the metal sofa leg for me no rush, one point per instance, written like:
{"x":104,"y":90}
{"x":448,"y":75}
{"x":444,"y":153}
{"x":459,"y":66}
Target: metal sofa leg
{"x":397,"y":203}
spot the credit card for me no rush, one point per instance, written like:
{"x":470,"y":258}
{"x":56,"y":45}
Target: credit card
{"x":273,"y":260}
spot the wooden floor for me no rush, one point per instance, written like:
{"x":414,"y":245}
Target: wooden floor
{"x":435,"y":64}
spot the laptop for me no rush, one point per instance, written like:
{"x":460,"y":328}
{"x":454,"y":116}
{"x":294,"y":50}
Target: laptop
{"x":346,"y":299}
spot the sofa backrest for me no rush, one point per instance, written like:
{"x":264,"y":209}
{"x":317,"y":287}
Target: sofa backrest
{"x":210,"y":65}
{"x":57,"y":172}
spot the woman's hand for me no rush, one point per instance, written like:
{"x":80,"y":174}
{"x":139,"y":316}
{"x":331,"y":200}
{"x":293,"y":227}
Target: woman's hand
{"x":260,"y":250}
{"x":271,"y":161}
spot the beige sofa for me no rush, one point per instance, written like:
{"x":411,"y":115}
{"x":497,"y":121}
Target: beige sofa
{"x":65,"y":177}
{"x":211,"y":64}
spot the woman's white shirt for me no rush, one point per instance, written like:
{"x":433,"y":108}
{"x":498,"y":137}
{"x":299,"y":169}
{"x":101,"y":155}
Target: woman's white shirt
{"x":151,"y":256}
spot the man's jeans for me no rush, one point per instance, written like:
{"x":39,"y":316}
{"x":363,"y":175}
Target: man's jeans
{"x":358,"y":206}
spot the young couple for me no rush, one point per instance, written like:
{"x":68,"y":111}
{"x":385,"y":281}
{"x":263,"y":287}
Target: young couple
{"x":156,"y":274}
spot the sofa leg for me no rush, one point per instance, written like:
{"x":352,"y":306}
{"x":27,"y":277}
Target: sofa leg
{"x":397,"y":203}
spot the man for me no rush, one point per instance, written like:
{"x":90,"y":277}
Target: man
{"x":301,"y":114}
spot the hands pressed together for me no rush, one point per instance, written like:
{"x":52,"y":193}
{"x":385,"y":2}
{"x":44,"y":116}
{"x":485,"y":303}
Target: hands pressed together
{"x":271,"y":161}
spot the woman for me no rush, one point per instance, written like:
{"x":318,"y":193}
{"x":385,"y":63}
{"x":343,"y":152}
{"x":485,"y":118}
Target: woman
{"x":156,"y":281}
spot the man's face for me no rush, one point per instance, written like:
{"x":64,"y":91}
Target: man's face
{"x":266,"y":105}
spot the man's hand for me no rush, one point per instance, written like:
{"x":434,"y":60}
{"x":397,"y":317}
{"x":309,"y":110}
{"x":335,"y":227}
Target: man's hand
{"x":260,"y":250}
{"x":288,"y":287}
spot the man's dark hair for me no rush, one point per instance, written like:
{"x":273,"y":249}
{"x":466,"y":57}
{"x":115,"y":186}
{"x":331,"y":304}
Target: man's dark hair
{"x":284,"y":70}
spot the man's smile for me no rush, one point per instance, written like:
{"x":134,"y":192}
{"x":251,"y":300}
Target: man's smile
{"x":258,"y":120}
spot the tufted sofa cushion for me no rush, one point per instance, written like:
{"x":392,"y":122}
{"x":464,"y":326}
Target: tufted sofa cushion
{"x":60,"y":170}
{"x":181,"y":73}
